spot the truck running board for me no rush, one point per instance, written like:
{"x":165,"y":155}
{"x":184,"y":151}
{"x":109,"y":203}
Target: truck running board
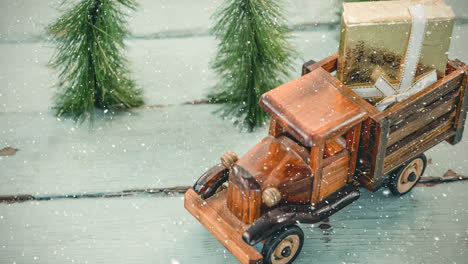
{"x":287,"y":215}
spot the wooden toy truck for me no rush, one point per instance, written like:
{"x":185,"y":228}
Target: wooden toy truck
{"x":324,"y":141}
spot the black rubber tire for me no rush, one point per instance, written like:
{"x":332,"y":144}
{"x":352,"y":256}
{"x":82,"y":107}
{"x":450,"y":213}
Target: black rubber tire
{"x":396,"y":175}
{"x":274,"y":240}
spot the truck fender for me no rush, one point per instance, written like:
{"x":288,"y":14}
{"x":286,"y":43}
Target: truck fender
{"x":287,"y":215}
{"x":210,"y":181}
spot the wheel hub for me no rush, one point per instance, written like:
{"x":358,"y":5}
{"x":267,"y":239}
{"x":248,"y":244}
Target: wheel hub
{"x":410,"y":175}
{"x":286,"y":252}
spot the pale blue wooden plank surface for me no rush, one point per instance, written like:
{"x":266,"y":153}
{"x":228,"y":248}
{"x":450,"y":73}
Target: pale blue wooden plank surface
{"x":139,"y":150}
{"x":427,"y":226}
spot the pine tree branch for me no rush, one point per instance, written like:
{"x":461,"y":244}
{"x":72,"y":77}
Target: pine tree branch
{"x":88,"y":56}
{"x":253,"y":57}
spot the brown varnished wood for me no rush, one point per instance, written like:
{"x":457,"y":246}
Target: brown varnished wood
{"x":209,"y":179}
{"x":371,"y":152}
{"x":460,"y":118}
{"x":312,"y":108}
{"x":420,"y":119}
{"x":316,"y":163}
{"x":298,"y":192}
{"x":218,"y":219}
{"x":351,"y":95}
{"x":424,"y":97}
{"x":291,"y":214}
{"x":334,"y":146}
{"x":305,"y":66}
{"x":365,"y":156}
{"x":352,"y":144}
{"x":335,"y":174}
{"x":429,"y":129}
{"x":419,"y":138}
{"x":379,"y":148}
{"x":421,"y":148}
{"x":449,"y":101}
{"x":329,"y":64}
{"x":453,"y":65}
{"x":281,"y":163}
{"x":244,"y":195}
{"x":330,"y":160}
{"x":275,"y":128}
{"x":397,"y":113}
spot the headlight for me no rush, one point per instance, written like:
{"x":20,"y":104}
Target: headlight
{"x":271,"y":196}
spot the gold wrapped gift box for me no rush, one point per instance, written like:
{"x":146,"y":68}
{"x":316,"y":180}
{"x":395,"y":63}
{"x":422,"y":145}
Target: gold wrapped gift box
{"x":375,"y":36}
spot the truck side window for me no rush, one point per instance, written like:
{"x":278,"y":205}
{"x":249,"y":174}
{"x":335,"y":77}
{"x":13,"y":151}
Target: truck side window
{"x":334,"y":146}
{"x":295,"y":140}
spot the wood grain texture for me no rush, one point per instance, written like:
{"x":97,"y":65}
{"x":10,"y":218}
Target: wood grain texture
{"x":424,"y":97}
{"x":426,"y":145}
{"x":333,"y":146}
{"x":225,"y":226}
{"x":244,"y":203}
{"x":421,"y":118}
{"x":334,"y":175}
{"x":316,"y":163}
{"x":281,"y":163}
{"x":352,"y":144}
{"x":311,"y":108}
{"x":379,"y":147}
{"x":206,"y":185}
{"x":460,"y":118}
{"x":329,"y":64}
{"x":275,"y":128}
{"x":438,"y":131}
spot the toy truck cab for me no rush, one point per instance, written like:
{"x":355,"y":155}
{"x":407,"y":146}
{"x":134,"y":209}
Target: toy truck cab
{"x":321,"y":119}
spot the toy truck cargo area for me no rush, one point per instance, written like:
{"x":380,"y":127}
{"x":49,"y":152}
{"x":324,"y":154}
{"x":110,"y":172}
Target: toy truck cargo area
{"x":324,"y":141}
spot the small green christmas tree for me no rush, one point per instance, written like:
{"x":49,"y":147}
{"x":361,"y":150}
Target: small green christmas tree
{"x":253,"y":57}
{"x":92,"y":70}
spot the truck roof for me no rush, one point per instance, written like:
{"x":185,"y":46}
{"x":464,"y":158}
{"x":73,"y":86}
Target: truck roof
{"x":312,"y":108}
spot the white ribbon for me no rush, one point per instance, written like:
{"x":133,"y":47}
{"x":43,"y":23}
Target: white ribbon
{"x":425,"y":81}
{"x":413,"y":51}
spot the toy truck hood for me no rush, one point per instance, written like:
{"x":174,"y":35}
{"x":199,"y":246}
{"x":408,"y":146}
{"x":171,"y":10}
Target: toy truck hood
{"x":313,"y":107}
{"x":277,"y":162}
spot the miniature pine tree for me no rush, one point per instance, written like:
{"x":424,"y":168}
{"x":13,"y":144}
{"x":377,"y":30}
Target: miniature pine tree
{"x":253,"y":57}
{"x":92,"y":70}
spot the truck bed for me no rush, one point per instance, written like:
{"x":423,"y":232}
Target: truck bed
{"x":406,"y":129}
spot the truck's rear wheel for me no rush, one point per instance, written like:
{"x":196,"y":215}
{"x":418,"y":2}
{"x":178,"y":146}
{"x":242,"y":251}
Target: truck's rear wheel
{"x":406,"y":177}
{"x":284,"y":246}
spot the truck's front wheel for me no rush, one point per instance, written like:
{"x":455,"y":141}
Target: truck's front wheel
{"x":406,"y":177}
{"x":283,"y":246}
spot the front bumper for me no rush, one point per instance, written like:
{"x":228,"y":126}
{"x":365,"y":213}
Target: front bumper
{"x":227,"y":228}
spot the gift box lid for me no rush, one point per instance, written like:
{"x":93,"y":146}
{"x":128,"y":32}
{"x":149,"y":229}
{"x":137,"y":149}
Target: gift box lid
{"x":359,"y":13}
{"x":312,"y":107}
